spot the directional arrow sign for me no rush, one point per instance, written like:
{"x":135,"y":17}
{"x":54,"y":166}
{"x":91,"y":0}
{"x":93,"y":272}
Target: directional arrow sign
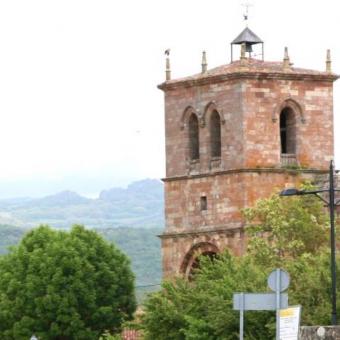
{"x":255,"y":301}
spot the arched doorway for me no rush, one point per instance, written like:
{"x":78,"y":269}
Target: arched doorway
{"x":191,"y":259}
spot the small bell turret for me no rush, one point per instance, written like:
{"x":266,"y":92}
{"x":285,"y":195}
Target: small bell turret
{"x":248,"y":38}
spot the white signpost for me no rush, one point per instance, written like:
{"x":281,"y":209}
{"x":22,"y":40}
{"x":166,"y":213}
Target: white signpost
{"x":278,"y":281}
{"x":290,"y":323}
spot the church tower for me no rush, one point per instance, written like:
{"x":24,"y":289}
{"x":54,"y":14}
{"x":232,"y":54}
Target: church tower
{"x":235,"y":134}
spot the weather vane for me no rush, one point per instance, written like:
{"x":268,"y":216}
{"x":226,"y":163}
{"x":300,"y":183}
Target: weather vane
{"x":246,"y":4}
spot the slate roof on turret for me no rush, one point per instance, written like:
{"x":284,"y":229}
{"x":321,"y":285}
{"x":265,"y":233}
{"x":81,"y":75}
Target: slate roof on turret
{"x":249,"y":68}
{"x":247,"y":36}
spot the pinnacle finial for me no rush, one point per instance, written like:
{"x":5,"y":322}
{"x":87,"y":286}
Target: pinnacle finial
{"x":167,"y":65}
{"x":328,"y":62}
{"x":286,"y":61}
{"x":204,"y":62}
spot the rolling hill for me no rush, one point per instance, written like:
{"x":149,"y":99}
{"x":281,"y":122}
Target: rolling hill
{"x":139,"y":205}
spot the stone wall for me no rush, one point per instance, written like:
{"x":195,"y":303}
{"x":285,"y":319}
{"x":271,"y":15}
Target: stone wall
{"x":250,"y":124}
{"x":202,"y":101}
{"x":249,"y":97}
{"x":220,"y":226}
{"x":312,"y":105}
{"x":320,"y":333}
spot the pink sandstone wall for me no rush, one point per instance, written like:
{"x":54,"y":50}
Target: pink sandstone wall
{"x":250,"y":166}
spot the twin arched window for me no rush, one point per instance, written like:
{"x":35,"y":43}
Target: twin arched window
{"x":287,"y":134}
{"x":215,"y":136}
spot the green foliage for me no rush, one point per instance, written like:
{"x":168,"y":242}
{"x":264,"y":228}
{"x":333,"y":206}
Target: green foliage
{"x":9,"y":236}
{"x":64,"y":285}
{"x":291,"y":233}
{"x":286,"y":227}
{"x":202,"y":310}
{"x":143,"y":248}
{"x":107,"y":336}
{"x":141,"y":245}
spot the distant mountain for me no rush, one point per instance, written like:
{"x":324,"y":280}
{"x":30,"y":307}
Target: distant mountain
{"x":64,"y":198}
{"x":148,"y":189}
{"x":141,"y":204}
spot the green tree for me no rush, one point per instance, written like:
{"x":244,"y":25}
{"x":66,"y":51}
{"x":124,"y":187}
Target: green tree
{"x":293,"y":233}
{"x":64,"y":285}
{"x":282,"y":228}
{"x":287,"y":233}
{"x":202,"y":309}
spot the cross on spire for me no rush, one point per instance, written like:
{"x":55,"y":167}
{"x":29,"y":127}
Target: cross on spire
{"x":246,"y":4}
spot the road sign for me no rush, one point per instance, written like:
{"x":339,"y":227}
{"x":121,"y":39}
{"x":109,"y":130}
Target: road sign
{"x":262,"y":301}
{"x":278,"y":279}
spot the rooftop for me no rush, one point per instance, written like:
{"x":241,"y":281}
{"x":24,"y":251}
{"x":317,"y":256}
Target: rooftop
{"x":249,"y":68}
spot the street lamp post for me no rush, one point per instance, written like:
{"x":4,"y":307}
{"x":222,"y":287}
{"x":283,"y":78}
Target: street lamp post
{"x":331,"y":203}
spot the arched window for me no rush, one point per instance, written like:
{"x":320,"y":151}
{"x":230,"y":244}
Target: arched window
{"x":288,"y":131}
{"x":193,"y":137}
{"x":215,"y":134}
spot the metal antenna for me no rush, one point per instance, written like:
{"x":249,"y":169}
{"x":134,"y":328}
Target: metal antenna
{"x":246,"y":4}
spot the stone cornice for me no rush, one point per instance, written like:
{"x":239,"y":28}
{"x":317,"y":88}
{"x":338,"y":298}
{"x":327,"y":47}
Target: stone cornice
{"x":248,"y":170}
{"x":194,"y":232}
{"x":213,"y":79}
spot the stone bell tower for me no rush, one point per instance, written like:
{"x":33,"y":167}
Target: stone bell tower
{"x":234,"y":134}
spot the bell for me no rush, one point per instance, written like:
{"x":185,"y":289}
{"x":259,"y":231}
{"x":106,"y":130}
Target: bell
{"x":249,"y":48}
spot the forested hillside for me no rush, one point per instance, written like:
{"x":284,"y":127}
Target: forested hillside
{"x":9,"y":236}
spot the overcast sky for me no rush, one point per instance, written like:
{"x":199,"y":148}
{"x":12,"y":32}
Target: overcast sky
{"x":78,"y":99}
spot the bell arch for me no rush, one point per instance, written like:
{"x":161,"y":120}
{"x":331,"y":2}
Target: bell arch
{"x":290,"y":104}
{"x":193,"y":136}
{"x":209,"y":109}
{"x":215,"y":134}
{"x":191,"y":259}
{"x":185,"y":116}
{"x":288,"y":131}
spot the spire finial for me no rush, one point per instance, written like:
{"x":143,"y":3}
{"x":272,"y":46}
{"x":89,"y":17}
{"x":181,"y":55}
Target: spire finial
{"x":286,"y":61}
{"x":204,"y":62}
{"x":328,"y":62}
{"x":167,"y":65}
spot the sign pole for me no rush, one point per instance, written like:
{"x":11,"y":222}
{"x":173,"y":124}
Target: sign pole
{"x":241,"y":315}
{"x":278,"y":282}
{"x":278,"y":307}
